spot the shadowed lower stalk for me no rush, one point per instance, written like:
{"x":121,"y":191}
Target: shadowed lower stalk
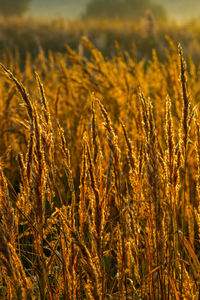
{"x":8,"y":256}
{"x":154,"y":181}
{"x":173,"y":166}
{"x":98,"y":217}
{"x":185,"y":134}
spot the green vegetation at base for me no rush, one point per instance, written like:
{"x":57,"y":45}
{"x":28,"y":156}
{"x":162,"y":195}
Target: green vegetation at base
{"x":13,"y":7}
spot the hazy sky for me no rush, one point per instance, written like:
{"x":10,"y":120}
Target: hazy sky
{"x":73,"y":8}
{"x":64,"y":8}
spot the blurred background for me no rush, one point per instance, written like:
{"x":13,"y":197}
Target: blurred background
{"x":177,"y":9}
{"x":137,"y":25}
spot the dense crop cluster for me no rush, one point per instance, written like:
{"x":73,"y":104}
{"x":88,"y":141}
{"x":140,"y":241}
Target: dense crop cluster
{"x":99,"y":177}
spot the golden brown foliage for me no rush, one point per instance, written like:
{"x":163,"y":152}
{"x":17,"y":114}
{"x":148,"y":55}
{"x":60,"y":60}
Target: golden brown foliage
{"x":93,"y":210}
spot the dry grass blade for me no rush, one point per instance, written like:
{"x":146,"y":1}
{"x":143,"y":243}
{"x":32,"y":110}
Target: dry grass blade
{"x":22,"y":91}
{"x":44,"y":100}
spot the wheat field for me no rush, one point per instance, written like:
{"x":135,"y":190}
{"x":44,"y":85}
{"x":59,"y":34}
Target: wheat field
{"x":99,"y":176}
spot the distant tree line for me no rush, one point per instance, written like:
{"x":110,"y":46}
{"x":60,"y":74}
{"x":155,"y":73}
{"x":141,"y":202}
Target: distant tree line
{"x":13,"y":7}
{"x":124,"y":9}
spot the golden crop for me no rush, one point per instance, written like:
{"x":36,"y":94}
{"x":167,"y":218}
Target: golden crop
{"x":99,"y":177}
